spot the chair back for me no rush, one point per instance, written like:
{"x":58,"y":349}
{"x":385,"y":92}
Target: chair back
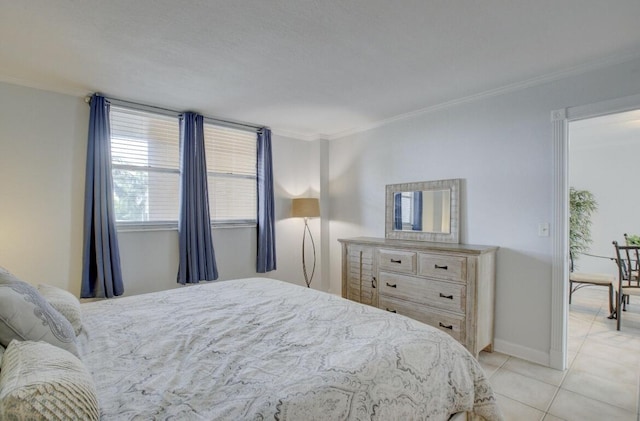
{"x":627,"y":258}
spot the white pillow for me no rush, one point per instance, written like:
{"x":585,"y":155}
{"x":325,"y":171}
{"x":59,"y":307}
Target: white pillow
{"x":44,"y":382}
{"x":66,"y":303}
{"x":25,"y":315}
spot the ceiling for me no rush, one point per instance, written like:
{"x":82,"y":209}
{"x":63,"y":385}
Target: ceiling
{"x":307,"y":68}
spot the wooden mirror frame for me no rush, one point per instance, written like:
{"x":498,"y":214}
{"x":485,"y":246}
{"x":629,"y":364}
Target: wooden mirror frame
{"x":451,"y":237}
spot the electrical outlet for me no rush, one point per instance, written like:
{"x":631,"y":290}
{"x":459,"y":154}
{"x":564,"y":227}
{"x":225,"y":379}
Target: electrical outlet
{"x":543,"y":229}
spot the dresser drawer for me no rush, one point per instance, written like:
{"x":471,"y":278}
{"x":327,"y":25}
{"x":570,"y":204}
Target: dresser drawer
{"x":443,"y":295}
{"x":443,"y":267}
{"x":453,"y":324}
{"x":397,"y":261}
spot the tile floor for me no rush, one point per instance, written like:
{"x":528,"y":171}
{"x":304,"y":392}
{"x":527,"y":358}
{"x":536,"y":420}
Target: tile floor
{"x":601,"y":383}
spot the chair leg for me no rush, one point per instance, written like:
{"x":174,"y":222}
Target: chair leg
{"x":610,"y":301}
{"x":619,"y":300}
{"x":570,"y":291}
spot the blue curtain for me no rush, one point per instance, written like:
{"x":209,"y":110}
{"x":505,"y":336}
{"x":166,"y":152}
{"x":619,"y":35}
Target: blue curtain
{"x":266,"y":259}
{"x":417,"y":211}
{"x":101,"y":273}
{"x":397,"y":212}
{"x":197,"y":258}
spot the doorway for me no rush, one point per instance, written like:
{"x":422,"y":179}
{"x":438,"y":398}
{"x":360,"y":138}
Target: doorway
{"x":603,"y":164}
{"x":561,"y":120}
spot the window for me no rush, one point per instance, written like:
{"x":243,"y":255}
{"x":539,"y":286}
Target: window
{"x":231,"y":168}
{"x":145,"y":155}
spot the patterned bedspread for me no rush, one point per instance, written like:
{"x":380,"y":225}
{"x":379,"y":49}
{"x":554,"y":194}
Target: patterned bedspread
{"x":255,"y":349}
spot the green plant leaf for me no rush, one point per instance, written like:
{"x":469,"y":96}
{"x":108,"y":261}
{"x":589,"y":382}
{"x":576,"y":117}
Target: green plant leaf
{"x":582,"y":205}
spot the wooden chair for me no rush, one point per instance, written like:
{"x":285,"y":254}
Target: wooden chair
{"x":627,"y":258}
{"x":579,"y":280}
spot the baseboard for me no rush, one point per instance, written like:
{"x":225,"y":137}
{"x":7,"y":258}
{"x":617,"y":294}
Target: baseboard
{"x":529,"y":354}
{"x":557,"y":360}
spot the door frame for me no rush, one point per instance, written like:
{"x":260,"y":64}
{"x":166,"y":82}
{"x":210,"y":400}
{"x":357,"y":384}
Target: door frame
{"x":560,"y":120}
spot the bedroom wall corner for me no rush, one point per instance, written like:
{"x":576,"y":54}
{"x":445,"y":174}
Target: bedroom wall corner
{"x":297,"y":169}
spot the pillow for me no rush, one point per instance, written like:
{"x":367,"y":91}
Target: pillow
{"x":26,"y":315}
{"x":66,"y":304}
{"x":41,"y":381}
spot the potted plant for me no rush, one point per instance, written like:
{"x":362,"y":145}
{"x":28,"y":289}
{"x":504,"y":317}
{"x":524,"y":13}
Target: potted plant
{"x":582,"y":204}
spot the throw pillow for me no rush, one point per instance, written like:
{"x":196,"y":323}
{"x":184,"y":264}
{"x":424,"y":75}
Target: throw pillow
{"x":26,"y":315}
{"x":65,"y":302}
{"x":41,"y":381}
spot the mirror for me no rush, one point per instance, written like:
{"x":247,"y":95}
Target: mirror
{"x":424,"y":211}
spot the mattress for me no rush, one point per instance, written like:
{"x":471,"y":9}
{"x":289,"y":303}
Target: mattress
{"x":258,"y":348}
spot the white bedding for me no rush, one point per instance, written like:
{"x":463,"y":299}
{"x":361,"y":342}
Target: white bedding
{"x":264,"y":349}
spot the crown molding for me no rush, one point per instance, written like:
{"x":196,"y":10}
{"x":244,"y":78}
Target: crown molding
{"x":539,"y":80}
{"x":313,"y":136}
{"x":307,"y":137}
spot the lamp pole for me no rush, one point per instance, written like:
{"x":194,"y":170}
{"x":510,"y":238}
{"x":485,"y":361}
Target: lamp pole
{"x":308,"y":278}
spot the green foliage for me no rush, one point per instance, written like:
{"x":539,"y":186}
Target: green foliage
{"x":130,"y":194}
{"x":633,"y":240}
{"x":582,"y":204}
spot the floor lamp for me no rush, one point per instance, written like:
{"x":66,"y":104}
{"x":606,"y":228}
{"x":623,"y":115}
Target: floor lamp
{"x":306,"y":208}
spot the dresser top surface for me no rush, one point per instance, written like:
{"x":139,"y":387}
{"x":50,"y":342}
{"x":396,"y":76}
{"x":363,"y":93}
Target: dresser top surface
{"x":420,"y":245}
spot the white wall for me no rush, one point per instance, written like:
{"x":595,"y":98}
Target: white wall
{"x":502,"y":147}
{"x":43,"y":139}
{"x":42,"y":163}
{"x":608,"y":168}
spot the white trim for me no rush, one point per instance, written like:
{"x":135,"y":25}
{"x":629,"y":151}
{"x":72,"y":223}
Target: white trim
{"x":550,"y":77}
{"x":173,"y":226}
{"x":307,"y":137}
{"x":594,"y":65}
{"x":560,"y":248}
{"x":612,"y":106}
{"x":559,"y":245}
{"x":523,"y":352}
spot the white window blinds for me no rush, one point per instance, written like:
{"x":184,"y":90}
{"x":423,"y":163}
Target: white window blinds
{"x":145,"y":153}
{"x":231,"y":167}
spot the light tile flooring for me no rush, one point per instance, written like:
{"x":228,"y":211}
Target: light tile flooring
{"x":601,"y":383}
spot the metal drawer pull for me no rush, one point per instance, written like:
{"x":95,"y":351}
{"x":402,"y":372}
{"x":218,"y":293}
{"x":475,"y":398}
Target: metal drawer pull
{"x":391,"y":285}
{"x":450,"y":297}
{"x":373,"y":282}
{"x":441,"y":267}
{"x":396,"y":261}
{"x":391,"y":311}
{"x":450,"y":327}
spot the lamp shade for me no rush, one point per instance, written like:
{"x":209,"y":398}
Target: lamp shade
{"x":305,"y":207}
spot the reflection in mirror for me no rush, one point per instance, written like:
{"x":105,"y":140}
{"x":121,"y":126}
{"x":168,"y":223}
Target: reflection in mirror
{"x":423,"y":210}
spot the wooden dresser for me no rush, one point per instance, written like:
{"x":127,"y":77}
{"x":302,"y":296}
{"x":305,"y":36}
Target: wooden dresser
{"x":448,"y":286}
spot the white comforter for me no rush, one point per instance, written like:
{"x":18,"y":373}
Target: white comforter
{"x":264,"y":349}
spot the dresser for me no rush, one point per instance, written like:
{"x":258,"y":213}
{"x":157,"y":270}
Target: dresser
{"x":448,"y":286}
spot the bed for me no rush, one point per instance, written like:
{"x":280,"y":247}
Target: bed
{"x":249,"y":349}
{"x":258,"y":348}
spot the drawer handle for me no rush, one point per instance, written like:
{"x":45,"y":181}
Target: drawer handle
{"x":442,"y":267}
{"x":450,"y":327}
{"x":450,"y":297}
{"x":392,"y":285}
{"x":396,"y":261}
{"x":391,"y":311}
{"x":373,"y":282}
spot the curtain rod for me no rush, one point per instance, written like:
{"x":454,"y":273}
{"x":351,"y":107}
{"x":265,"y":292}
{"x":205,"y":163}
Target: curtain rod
{"x":174,"y":113}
